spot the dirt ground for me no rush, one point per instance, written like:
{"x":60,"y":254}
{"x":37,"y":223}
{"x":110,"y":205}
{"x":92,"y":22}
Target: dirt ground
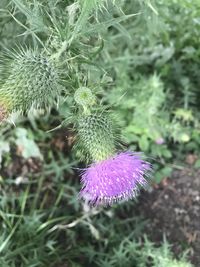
{"x":173,"y":208}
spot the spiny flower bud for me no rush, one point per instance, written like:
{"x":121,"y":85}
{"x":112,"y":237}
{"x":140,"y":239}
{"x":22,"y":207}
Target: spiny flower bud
{"x":32,"y":82}
{"x":96,"y":137}
{"x":84,"y":97}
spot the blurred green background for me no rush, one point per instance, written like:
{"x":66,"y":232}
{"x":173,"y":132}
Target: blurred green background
{"x":142,"y":60}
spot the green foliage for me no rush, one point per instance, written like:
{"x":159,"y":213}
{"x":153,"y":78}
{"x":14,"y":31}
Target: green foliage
{"x":157,"y":119}
{"x":28,"y":147}
{"x":142,"y":254}
{"x":43,"y":224}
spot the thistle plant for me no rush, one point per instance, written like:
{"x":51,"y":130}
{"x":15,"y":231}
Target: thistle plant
{"x":112,"y":175}
{"x":31,"y":81}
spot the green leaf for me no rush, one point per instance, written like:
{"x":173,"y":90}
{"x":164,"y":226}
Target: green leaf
{"x":197,"y":164}
{"x":144,"y":143}
{"x":27,"y":146}
{"x":166,"y":153}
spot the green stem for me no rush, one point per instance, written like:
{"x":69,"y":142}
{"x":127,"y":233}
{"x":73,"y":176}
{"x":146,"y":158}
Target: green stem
{"x":63,"y":48}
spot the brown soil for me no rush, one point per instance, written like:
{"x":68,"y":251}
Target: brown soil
{"x":173,"y":208}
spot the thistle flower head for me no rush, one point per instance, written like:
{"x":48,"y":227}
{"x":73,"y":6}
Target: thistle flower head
{"x":114,"y":179}
{"x":96,"y":137}
{"x":32,"y":81}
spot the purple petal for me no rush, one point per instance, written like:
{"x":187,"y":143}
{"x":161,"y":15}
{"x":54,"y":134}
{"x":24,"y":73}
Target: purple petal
{"x":114,"y":179}
{"x":160,"y":141}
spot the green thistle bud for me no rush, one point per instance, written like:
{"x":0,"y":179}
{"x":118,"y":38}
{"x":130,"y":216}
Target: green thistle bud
{"x":96,"y":137}
{"x":84,"y":97}
{"x":32,"y":82}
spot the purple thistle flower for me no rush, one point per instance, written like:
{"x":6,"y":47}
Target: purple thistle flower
{"x":159,"y":141}
{"x":114,"y":179}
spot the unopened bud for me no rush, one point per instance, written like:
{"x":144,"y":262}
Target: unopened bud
{"x":32,"y":82}
{"x":84,"y":97}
